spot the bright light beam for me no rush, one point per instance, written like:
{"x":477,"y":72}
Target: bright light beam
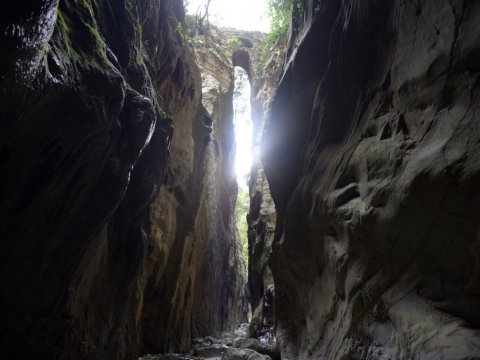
{"x":242,"y":120}
{"x":243,"y":15}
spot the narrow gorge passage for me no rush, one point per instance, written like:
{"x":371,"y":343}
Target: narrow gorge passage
{"x":125,"y":233}
{"x":242,"y":121}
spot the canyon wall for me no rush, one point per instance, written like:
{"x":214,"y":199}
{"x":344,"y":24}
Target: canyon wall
{"x":372,"y":154}
{"x":218,"y":52}
{"x":247,"y":49}
{"x":262,"y":214}
{"x":116,"y":187}
{"x":197,"y":274}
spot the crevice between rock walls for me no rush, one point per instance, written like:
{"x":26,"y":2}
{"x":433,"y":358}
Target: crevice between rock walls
{"x":218,"y":53}
{"x":371,"y":154}
{"x":106,"y":214}
{"x":232,"y":48}
{"x":262,"y":213}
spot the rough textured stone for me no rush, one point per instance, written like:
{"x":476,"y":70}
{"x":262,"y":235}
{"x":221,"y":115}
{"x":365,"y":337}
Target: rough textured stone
{"x":198,"y":273}
{"x":217,"y":54}
{"x":244,"y":354}
{"x":372,"y":156}
{"x":262,"y":215}
{"x":102,"y":255}
{"x":261,"y":347}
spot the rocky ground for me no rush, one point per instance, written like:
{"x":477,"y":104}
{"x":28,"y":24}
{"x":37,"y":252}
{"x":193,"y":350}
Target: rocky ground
{"x":233,"y":345}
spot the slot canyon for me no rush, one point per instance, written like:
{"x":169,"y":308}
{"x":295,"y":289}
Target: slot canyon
{"x":119,"y":196}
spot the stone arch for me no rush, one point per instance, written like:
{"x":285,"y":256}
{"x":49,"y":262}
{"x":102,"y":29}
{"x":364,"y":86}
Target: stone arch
{"x":241,"y":58}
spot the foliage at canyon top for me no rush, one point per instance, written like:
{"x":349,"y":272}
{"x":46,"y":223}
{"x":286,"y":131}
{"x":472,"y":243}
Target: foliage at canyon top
{"x":280,"y":14}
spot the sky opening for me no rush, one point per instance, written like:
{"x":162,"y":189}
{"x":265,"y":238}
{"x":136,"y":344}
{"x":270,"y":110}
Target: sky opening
{"x":242,"y":120}
{"x":244,"y":15}
{"x":250,"y":15}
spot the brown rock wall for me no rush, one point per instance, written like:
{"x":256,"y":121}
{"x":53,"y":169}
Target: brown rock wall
{"x":108,"y":243}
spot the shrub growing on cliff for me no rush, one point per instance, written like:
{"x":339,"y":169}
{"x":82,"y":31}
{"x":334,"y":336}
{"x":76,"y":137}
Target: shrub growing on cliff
{"x":280,"y":14}
{"x":179,"y":29}
{"x":234,"y":41}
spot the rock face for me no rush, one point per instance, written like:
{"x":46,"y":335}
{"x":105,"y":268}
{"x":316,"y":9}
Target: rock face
{"x":217,"y":54}
{"x":372,"y":156}
{"x":262,"y":214}
{"x":108,"y":243}
{"x":197,"y":272}
{"x":232,"y":345}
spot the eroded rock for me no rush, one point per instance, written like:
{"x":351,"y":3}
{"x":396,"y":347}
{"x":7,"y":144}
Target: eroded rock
{"x":117,"y":187}
{"x":371,"y":153}
{"x":244,"y":354}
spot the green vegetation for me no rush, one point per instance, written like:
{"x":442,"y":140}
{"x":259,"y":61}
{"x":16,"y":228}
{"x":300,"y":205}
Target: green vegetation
{"x":182,"y":33}
{"x":234,"y":41}
{"x":241,"y":211}
{"x":280,"y":13}
{"x":300,"y":7}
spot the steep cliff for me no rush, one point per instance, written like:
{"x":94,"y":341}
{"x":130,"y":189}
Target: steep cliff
{"x":372,"y":156}
{"x":108,"y":244}
{"x":218,"y":52}
{"x":262,"y":214}
{"x":197,"y":274}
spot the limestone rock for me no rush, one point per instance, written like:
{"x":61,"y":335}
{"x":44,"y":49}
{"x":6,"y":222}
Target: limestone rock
{"x":262,"y":214}
{"x":116,"y":196}
{"x":171,"y":356}
{"x":262,"y":347}
{"x":372,"y":157}
{"x":244,"y":354}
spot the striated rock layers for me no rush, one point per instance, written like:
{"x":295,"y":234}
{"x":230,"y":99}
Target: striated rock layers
{"x":372,"y":153}
{"x":108,"y":245}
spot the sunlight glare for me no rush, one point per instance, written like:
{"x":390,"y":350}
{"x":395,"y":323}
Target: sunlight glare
{"x":243,"y":15}
{"x":242,"y":120}
{"x":250,"y":15}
